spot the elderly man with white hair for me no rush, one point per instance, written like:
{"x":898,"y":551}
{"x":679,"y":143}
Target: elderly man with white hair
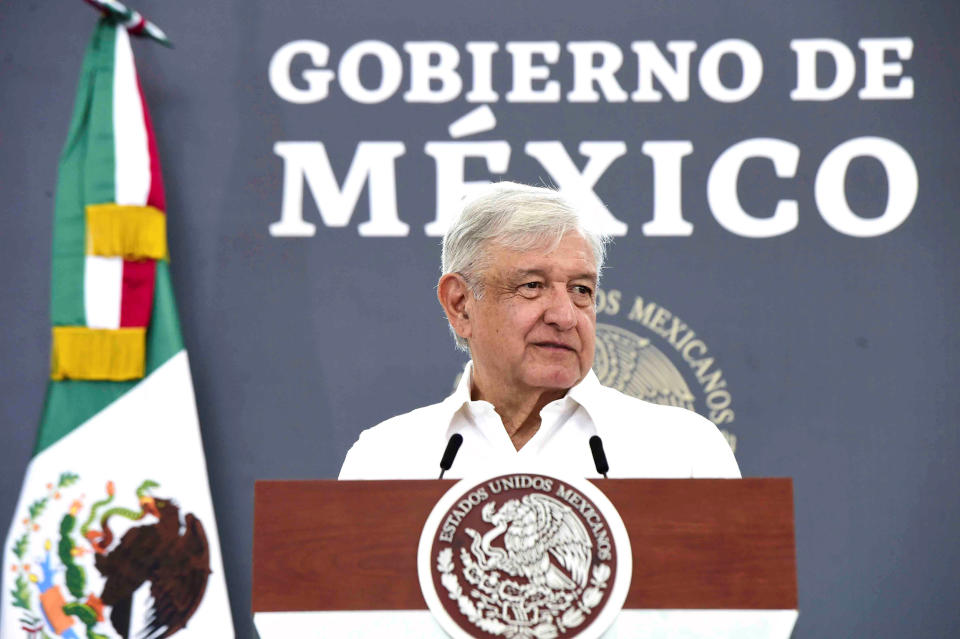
{"x":520,"y":273}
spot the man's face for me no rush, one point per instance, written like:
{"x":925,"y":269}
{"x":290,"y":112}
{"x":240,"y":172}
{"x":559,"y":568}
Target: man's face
{"x":535,"y":325}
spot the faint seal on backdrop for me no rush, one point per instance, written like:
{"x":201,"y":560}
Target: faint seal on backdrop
{"x":665,"y":361}
{"x":634,"y":366}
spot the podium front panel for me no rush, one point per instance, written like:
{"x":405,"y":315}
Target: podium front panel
{"x":711,"y":553}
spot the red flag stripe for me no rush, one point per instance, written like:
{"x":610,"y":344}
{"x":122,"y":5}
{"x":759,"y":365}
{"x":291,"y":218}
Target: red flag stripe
{"x":136,"y":304}
{"x":157,"y":197}
{"x":139,"y":277}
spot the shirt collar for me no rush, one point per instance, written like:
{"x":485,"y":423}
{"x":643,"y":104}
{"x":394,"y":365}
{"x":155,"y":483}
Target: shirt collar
{"x":461,"y":394}
{"x":586,"y":393}
{"x":589,"y":394}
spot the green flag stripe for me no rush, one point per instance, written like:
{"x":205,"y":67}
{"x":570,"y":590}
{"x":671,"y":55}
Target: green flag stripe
{"x":86,"y":175}
{"x":72,"y":402}
{"x":99,"y":164}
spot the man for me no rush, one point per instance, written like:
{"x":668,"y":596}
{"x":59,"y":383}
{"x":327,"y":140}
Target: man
{"x":520,"y":273}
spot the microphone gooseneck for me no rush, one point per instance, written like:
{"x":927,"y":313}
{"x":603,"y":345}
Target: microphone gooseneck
{"x":599,"y":458}
{"x":450,"y":452}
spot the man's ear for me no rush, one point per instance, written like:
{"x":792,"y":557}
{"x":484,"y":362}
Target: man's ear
{"x":454,"y":294}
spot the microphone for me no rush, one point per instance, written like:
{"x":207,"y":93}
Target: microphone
{"x":599,"y":459}
{"x":451,"y":451}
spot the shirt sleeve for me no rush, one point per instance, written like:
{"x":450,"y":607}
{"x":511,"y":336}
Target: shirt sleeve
{"x":712,"y":457}
{"x":357,"y":464}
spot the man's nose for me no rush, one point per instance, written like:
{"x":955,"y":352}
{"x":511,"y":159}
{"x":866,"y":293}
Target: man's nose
{"x":561,"y":311}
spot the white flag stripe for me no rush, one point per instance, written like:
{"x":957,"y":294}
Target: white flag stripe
{"x":131,"y":151}
{"x":102,"y":283}
{"x":151,"y":432}
{"x":103,"y":278}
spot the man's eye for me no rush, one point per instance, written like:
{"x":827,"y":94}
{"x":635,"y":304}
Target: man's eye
{"x":530,"y":289}
{"x":580,"y":289}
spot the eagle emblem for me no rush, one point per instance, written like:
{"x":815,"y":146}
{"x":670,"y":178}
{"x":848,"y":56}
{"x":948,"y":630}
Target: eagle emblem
{"x":524,"y":557}
{"x":158,"y":558}
{"x":634,"y":366}
{"x":543,"y":541}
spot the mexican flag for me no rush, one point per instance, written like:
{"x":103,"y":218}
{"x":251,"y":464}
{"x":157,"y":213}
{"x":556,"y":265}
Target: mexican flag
{"x":114,"y":534}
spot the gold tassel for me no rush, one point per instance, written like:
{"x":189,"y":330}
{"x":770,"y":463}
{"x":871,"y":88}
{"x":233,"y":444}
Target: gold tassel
{"x":130,"y":232}
{"x":98,"y":353}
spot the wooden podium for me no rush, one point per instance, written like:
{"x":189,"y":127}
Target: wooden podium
{"x":711,"y":557}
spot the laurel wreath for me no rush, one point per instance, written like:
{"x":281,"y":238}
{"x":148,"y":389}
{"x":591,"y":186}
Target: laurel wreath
{"x":549,"y":629}
{"x":65,"y":550}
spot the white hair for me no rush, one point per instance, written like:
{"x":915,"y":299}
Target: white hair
{"x":517,"y":217}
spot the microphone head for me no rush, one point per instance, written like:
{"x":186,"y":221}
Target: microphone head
{"x":599,"y":458}
{"x":451,"y":451}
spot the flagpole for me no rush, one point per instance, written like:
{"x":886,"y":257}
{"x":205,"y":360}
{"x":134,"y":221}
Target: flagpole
{"x":131,"y":19}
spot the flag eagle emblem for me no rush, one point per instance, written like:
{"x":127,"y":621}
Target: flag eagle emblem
{"x":149,"y":552}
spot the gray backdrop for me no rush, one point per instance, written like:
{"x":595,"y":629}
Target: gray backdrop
{"x":837,"y":352}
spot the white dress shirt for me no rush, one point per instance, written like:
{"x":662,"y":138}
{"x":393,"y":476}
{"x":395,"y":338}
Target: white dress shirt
{"x":640,"y":439}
